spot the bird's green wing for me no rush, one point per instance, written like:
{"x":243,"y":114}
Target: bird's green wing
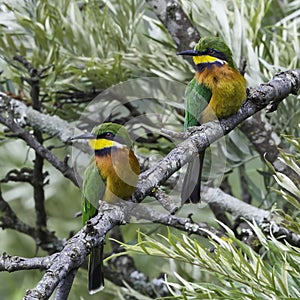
{"x":93,"y":189}
{"x":197,"y":98}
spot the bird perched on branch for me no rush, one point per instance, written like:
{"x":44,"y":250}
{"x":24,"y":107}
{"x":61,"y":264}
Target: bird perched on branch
{"x":111,"y":176}
{"x":217,"y":91}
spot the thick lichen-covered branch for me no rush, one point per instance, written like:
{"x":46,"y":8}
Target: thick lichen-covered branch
{"x":79,"y":246}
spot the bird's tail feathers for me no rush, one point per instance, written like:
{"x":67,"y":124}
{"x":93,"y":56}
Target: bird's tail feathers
{"x":191,"y":188}
{"x":96,"y":274}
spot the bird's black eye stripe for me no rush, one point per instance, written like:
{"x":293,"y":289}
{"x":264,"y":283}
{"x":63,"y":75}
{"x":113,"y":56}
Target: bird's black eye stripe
{"x":106,"y":135}
{"x":211,"y":51}
{"x":111,"y":136}
{"x":215,"y":53}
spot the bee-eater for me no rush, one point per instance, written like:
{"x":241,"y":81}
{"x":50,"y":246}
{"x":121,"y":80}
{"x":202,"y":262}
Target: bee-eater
{"x":217,"y":91}
{"x":111,"y":175}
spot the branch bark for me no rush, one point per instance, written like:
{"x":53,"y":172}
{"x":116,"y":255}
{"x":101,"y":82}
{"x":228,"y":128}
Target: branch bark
{"x":9,"y":219}
{"x":64,"y":266}
{"x":52,"y":125}
{"x":16,"y":263}
{"x":199,"y":138}
{"x":78,"y":247}
{"x":38,"y":175}
{"x":76,"y":250}
{"x":16,"y":108}
{"x":185,"y":35}
{"x":258,"y":98}
{"x":176,"y":21}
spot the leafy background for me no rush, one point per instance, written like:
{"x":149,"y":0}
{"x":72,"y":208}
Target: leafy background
{"x":93,"y":45}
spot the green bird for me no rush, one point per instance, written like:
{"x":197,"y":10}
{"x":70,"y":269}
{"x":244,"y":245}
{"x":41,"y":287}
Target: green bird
{"x":111,"y":176}
{"x":217,"y":91}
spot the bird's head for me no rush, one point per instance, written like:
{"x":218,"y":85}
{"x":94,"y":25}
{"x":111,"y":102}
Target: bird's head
{"x":210,"y":50}
{"x":107,"y":135}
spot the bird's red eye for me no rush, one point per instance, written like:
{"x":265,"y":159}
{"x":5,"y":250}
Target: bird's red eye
{"x":211,"y":51}
{"x":109,"y":135}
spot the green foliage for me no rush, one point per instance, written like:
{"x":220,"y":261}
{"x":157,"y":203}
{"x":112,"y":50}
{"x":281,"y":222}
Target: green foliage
{"x":91,"y":45}
{"x":228,"y":268}
{"x":288,"y":189}
{"x":235,"y":269}
{"x":252,"y":30}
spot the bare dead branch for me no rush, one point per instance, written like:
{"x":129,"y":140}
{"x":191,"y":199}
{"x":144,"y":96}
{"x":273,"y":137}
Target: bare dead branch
{"x":16,"y":263}
{"x":43,"y":151}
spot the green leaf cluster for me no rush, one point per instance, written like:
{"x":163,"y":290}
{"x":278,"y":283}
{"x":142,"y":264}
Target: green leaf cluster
{"x":91,"y":45}
{"x":234,"y":268}
{"x":228,"y":268}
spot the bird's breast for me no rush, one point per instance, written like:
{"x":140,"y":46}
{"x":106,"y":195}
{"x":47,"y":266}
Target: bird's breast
{"x":120,"y":169}
{"x":228,"y":89}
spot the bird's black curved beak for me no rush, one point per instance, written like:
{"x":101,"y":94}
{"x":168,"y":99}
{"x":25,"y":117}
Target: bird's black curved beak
{"x":190,"y":53}
{"x":84,"y":136}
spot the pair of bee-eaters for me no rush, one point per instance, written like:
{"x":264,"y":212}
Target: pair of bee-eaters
{"x":217,"y":91}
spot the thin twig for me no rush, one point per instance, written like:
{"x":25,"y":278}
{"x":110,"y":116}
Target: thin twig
{"x":44,"y":152}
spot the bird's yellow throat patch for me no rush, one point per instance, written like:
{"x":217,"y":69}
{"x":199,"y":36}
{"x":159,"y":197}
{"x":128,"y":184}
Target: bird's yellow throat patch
{"x":99,"y":144}
{"x":207,"y":59}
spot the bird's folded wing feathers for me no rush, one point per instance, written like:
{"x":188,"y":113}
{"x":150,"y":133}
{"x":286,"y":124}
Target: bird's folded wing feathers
{"x":197,"y":98}
{"x":93,"y":190}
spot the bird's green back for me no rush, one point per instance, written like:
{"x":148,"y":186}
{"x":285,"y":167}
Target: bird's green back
{"x":197,"y":98}
{"x":93,"y":189}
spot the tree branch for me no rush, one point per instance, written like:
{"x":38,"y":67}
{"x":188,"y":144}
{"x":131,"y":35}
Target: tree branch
{"x":177,"y":23}
{"x":31,"y":141}
{"x":64,"y":287}
{"x":110,"y":216}
{"x":259,"y":132}
{"x":76,"y":250}
{"x":258,"y":98}
{"x":9,"y":219}
{"x":38,"y":176}
{"x":266,"y":143}
{"x":164,"y":200}
{"x":234,"y":206}
{"x":78,"y":247}
{"x":199,"y":138}
{"x":52,"y":125}
{"x":15,"y":263}
{"x":22,"y":175}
